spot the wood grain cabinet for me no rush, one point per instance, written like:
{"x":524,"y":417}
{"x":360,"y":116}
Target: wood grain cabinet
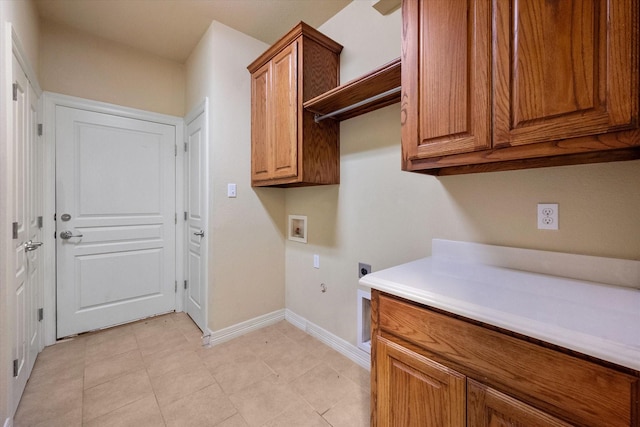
{"x":414,"y":391}
{"x":432,"y":369}
{"x":287,"y":147}
{"x":513,"y":84}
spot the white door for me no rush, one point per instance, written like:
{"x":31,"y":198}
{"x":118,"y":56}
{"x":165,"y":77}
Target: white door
{"x":35,"y":262}
{"x":115,"y":219}
{"x":27,"y":205}
{"x":196,"y":235}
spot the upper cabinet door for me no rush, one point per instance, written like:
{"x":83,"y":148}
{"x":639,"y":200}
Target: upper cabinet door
{"x":285,"y":113}
{"x":260,"y":139}
{"x":446,"y":105}
{"x":562,"y":69}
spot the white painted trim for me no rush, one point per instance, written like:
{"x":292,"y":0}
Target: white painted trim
{"x":341,"y":346}
{"x":21,"y":56}
{"x":296,"y":320}
{"x":347,"y":349}
{"x":245,"y":327}
{"x":203,"y":107}
{"x":51,"y":100}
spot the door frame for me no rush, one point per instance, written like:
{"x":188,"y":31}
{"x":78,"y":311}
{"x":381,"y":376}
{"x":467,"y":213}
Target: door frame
{"x":51,"y":101}
{"x":202,"y":108}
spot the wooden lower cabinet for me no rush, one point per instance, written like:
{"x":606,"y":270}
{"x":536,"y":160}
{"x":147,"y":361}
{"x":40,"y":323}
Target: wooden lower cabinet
{"x":415,"y":391}
{"x":431,"y":369}
{"x":487,"y":407}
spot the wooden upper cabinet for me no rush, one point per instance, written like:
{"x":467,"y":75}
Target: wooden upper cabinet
{"x":284,"y":109}
{"x":514,"y":84}
{"x":287,"y":147}
{"x":260,"y":159}
{"x":445,"y":77}
{"x":563,"y":69}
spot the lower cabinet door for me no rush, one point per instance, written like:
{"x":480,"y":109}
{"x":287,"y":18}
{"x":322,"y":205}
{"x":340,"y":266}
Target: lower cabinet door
{"x":490,"y":408}
{"x":416,"y":391}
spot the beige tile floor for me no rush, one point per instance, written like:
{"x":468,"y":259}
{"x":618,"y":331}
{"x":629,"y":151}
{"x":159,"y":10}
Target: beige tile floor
{"x":156,"y":373}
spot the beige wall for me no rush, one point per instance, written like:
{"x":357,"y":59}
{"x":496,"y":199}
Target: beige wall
{"x":246,"y":258}
{"x":79,"y":64}
{"x":383,"y":216}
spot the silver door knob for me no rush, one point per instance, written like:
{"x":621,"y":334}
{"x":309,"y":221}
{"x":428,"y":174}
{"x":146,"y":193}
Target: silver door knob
{"x":199,"y":233}
{"x":68,"y":234}
{"x":32,"y":246}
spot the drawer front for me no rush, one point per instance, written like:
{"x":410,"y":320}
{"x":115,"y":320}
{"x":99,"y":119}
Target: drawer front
{"x":580,"y":391}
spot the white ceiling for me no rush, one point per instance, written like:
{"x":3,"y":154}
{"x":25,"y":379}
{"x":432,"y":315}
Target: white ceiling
{"x":172,"y":28}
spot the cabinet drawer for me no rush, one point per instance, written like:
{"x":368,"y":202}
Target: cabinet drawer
{"x":577,"y":390}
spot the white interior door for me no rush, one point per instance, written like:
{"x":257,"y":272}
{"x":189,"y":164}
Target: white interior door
{"x":20,"y":232}
{"x":115,"y":219}
{"x":196,"y":235}
{"x":35,"y":262}
{"x":27,"y":203}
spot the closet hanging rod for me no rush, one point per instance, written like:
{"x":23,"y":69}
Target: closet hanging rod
{"x":320,"y":117}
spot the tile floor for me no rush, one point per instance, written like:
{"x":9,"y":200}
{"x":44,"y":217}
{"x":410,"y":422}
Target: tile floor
{"x":156,"y":373}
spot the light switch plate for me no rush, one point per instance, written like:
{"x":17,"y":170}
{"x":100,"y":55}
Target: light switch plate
{"x":231,"y":190}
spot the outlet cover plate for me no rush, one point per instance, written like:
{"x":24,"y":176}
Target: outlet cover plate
{"x":547,"y":216}
{"x":363,"y":269}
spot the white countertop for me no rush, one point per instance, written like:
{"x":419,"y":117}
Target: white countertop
{"x":596,"y":319}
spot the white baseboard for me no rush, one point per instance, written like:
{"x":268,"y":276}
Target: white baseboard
{"x":245,"y":327}
{"x":343,"y":347}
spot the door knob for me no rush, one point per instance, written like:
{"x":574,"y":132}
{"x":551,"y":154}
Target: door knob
{"x":32,"y":246}
{"x":68,"y":234}
{"x":200,"y":233}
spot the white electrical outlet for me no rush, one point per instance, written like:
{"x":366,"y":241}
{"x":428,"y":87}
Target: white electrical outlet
{"x":547,"y":216}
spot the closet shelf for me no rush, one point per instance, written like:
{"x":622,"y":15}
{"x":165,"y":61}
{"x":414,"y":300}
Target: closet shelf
{"x":377,"y":89}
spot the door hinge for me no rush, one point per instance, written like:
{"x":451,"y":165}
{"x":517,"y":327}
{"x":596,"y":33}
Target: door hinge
{"x":15,"y":91}
{"x":40,"y":221}
{"x":175,"y":287}
{"x":40,"y":130}
{"x":16,"y":364}
{"x":185,"y":215}
{"x":185,"y":147}
{"x":40,"y":314}
{"x":55,"y":216}
{"x":175,"y":218}
{"x":15,"y":230}
{"x":185,"y":284}
{"x":175,"y":151}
